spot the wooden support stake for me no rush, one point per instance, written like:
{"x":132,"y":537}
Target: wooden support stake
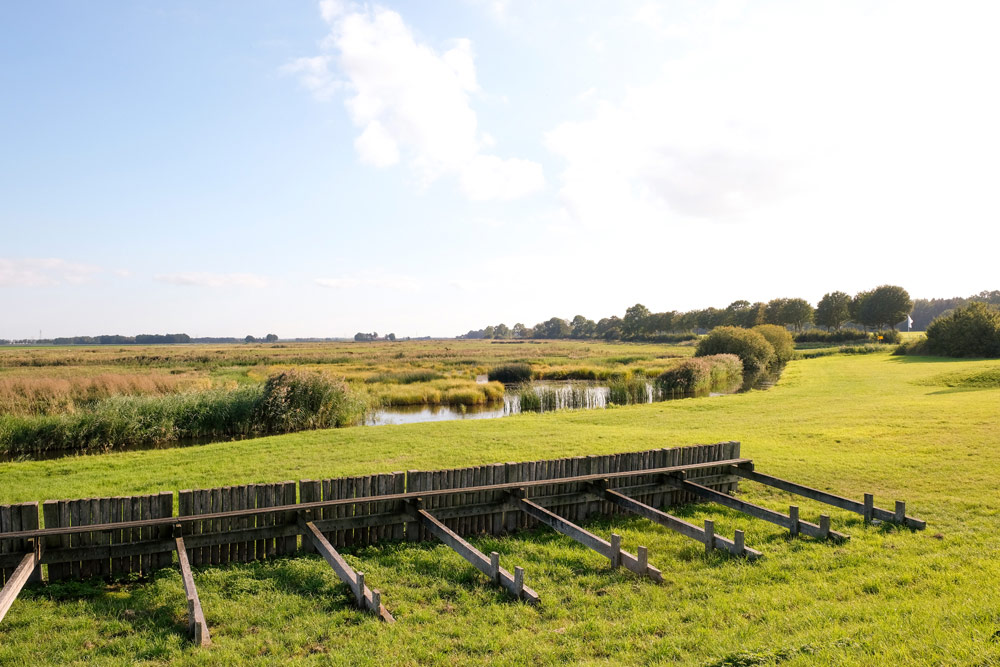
{"x":900,"y":516}
{"x":869,"y":511}
{"x":20,"y":577}
{"x":519,"y":581}
{"x":777,"y":518}
{"x":616,"y":550}
{"x":824,"y":524}
{"x":642,"y":554}
{"x":475,"y":557}
{"x":793,"y":514}
{"x":745,"y":470}
{"x":709,"y":536}
{"x":495,"y":566}
{"x":586,"y":538}
{"x":196,"y":617}
{"x":738,"y":542}
{"x":673,"y":523}
{"x":365,"y":598}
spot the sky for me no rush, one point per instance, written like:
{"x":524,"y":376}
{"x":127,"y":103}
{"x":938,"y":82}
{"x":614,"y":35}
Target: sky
{"x":319,"y":169}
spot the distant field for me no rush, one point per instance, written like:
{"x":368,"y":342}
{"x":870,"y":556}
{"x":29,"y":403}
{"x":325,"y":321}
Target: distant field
{"x":919,"y":429}
{"x":48,"y":380}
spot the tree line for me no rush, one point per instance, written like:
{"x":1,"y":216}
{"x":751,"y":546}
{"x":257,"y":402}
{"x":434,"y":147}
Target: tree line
{"x":883,"y":307}
{"x":139,"y":339}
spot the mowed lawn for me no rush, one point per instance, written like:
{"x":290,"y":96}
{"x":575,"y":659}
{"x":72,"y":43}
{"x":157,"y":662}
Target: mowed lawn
{"x":850,"y":424}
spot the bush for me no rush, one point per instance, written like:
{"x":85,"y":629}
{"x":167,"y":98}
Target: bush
{"x":701,"y":375}
{"x":750,"y":346}
{"x":511,"y":373}
{"x":780,"y":339}
{"x":916,"y":347}
{"x":972,"y":331}
{"x":889,"y":336}
{"x":839,"y":336}
{"x":295,"y":401}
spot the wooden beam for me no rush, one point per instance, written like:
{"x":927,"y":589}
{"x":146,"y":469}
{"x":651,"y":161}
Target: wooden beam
{"x":747,"y":472}
{"x":673,"y":523}
{"x":588,"y":539}
{"x":513,"y":584}
{"x":391,"y":497}
{"x":787,"y":522}
{"x":29,"y":563}
{"x":365,"y":597}
{"x":196,"y":617}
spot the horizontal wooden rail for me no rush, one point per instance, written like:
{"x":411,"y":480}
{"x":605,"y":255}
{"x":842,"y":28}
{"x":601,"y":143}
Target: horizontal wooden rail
{"x":609,"y":550}
{"x":790,"y":523}
{"x":29,"y":563}
{"x":392,"y":497}
{"x":366,"y":598}
{"x":746,"y":471}
{"x":737,"y":547}
{"x":514,"y":585}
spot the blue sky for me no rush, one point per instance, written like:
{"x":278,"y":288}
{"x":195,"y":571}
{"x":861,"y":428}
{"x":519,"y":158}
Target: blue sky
{"x":317,"y":169}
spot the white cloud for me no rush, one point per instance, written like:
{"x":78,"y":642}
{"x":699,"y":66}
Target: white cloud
{"x":487,"y":177}
{"x":205,"y":279}
{"x":811,"y":112}
{"x":44,"y":272}
{"x":387,"y":281}
{"x":411,"y":102}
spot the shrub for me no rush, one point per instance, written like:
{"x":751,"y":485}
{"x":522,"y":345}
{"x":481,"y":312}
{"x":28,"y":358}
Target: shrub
{"x":701,"y":375}
{"x":750,"y":346}
{"x":889,"y":336}
{"x":294,"y":401}
{"x":780,"y":339}
{"x":971,"y":331}
{"x":839,"y":336}
{"x":511,"y":373}
{"x":916,"y":347}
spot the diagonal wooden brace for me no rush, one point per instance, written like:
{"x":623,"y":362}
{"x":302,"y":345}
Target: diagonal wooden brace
{"x":490,"y":566}
{"x":609,"y":550}
{"x":196,"y":617}
{"x":791,"y":523}
{"x":866,"y":509}
{"x":365,"y":597}
{"x":673,"y":523}
{"x":22,"y":574}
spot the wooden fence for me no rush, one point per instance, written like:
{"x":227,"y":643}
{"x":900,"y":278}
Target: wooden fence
{"x":113,"y":537}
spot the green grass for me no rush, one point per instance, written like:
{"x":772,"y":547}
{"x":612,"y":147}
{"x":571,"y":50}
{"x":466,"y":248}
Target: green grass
{"x":850,"y":424}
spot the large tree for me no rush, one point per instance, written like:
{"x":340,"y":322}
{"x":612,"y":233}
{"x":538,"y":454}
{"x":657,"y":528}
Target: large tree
{"x":833,"y":310}
{"x":635,"y":321}
{"x":797,"y":313}
{"x":883,"y":307}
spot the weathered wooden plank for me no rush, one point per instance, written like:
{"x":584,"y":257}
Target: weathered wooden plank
{"x":196,"y":617}
{"x":364,"y":596}
{"x":757,"y":511}
{"x":678,"y":525}
{"x":747,"y":472}
{"x":16,"y":581}
{"x":587,"y":539}
{"x":475,"y":557}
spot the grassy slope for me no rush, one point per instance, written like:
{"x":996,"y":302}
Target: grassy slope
{"x":850,"y":424}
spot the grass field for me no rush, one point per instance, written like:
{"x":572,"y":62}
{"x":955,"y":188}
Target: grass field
{"x":919,"y":429}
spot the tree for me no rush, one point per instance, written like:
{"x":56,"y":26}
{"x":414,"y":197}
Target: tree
{"x":553,"y":327}
{"x":833,"y":310}
{"x":582,"y":327}
{"x":797,"y":312}
{"x":775,"y":312}
{"x":634,"y":322}
{"x":520,"y":331}
{"x":501,"y":331}
{"x":489,"y":332}
{"x":391,"y":337}
{"x":249,"y":339}
{"x":883,"y":307}
{"x":271,"y":338}
{"x":736,"y":312}
{"x":610,"y":328}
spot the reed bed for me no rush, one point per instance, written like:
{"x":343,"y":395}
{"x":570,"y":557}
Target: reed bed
{"x":25,"y":395}
{"x":287,"y":402}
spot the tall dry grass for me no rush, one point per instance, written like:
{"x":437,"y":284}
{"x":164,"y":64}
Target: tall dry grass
{"x":22,"y":395}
